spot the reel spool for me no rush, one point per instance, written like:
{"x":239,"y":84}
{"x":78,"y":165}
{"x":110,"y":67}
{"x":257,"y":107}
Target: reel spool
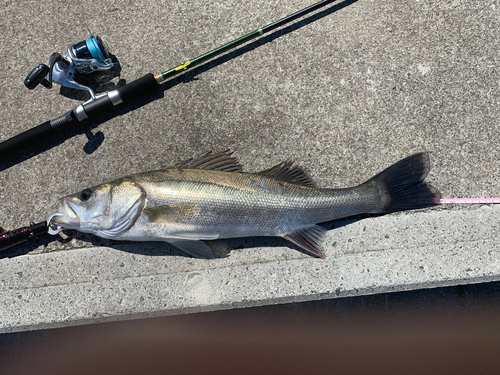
{"x":84,"y":57}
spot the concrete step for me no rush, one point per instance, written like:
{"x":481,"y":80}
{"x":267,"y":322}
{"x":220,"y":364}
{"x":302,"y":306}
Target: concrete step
{"x":403,"y":251}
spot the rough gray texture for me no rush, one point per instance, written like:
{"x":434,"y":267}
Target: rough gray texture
{"x":345,"y":95}
{"x":363,"y":257}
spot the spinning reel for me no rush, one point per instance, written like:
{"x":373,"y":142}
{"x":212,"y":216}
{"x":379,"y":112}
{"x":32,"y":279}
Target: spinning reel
{"x":92,"y":55}
{"x":84,"y":57}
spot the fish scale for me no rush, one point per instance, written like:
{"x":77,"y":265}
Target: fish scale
{"x":250,"y":196}
{"x":210,"y":198}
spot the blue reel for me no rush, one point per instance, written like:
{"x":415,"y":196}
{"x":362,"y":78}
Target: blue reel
{"x":84,"y":57}
{"x":90,"y":55}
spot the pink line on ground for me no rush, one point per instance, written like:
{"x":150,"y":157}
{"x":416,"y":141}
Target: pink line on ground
{"x":468,"y":200}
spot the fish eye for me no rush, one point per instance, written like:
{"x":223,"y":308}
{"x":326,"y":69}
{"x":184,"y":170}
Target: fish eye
{"x":85,"y":194}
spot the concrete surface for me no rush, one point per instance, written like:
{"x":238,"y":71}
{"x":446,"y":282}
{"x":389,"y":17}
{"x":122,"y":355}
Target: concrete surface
{"x":379,"y":255}
{"x":345,"y":93}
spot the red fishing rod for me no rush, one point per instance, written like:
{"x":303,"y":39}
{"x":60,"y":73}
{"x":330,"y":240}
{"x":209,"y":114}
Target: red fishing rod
{"x":20,"y":235}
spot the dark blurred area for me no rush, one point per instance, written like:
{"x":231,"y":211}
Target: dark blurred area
{"x":451,"y":330}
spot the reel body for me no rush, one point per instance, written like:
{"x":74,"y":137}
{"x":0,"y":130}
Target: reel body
{"x":84,"y":57}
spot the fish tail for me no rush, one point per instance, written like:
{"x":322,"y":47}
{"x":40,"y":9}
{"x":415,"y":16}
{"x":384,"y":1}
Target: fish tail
{"x":402,"y":185}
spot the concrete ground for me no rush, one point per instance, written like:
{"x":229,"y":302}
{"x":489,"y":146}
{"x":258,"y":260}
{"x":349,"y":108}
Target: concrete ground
{"x":345,"y":92}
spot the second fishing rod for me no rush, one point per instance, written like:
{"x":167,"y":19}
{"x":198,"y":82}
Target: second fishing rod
{"x":92,"y":55}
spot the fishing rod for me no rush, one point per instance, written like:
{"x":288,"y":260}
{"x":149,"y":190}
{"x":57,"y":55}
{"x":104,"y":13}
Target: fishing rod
{"x":92,"y":55}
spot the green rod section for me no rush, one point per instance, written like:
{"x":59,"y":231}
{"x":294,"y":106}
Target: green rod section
{"x":198,"y":60}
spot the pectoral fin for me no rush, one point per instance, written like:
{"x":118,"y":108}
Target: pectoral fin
{"x":198,"y":249}
{"x":309,"y":239}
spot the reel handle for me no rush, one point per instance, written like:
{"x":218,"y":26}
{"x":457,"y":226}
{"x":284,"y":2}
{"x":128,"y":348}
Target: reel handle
{"x":37,"y":76}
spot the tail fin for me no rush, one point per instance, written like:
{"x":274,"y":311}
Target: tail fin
{"x":402,"y":187}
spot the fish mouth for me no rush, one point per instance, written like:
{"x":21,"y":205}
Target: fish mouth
{"x":73,"y":217}
{"x":70,"y":218}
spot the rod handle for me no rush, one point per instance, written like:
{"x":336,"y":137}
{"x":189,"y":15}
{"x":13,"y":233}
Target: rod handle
{"x":135,"y":89}
{"x":127,"y":93}
{"x":34,"y":135}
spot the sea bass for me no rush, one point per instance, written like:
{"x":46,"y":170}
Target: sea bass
{"x":210,"y":198}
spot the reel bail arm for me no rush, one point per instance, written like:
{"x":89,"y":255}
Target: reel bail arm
{"x":84,"y":57}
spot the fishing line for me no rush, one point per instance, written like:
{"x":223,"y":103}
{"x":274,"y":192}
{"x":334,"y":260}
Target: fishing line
{"x":469,"y":201}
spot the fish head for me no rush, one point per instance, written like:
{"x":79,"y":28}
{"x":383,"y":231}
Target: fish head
{"x":107,"y":210}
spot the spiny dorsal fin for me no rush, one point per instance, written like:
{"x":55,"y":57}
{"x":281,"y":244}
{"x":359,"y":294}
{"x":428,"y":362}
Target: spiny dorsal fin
{"x":287,"y":172}
{"x":221,"y":161}
{"x":308,"y":239}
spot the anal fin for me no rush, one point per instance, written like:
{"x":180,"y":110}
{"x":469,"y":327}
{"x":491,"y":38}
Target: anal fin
{"x":309,"y":239}
{"x":198,"y":249}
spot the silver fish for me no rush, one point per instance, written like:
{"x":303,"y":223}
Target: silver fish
{"x":210,"y":198}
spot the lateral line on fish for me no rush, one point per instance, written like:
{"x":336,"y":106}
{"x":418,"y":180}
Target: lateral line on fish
{"x":468,"y":201}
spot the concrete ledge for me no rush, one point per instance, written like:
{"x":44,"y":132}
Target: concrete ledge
{"x":345,"y":93}
{"x":373,"y":255}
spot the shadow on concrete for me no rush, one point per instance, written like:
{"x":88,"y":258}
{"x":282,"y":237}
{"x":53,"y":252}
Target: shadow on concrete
{"x":97,"y":138}
{"x":32,"y":244}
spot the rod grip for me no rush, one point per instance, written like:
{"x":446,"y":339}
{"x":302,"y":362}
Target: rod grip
{"x":128,"y":93}
{"x":139,"y":87}
{"x":34,"y":135}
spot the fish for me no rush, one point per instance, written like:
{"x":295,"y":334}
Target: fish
{"x":210,"y":197}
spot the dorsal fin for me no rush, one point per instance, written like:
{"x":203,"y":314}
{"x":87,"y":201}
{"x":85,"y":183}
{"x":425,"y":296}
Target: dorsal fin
{"x":221,"y":161}
{"x":287,"y":172}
